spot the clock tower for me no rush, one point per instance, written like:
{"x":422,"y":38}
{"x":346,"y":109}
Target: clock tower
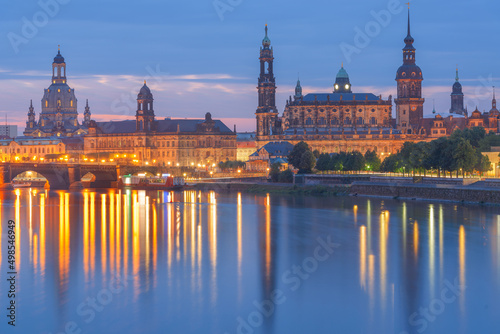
{"x":266,"y":113}
{"x":409,"y":103}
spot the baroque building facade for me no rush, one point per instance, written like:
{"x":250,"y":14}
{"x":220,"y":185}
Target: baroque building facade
{"x":59,"y":116}
{"x":347,"y":121}
{"x":164,"y":142}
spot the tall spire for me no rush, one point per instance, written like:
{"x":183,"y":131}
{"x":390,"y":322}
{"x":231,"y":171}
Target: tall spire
{"x":266,"y":42}
{"x":409,"y":28}
{"x":456,"y":78}
{"x":494,"y":101}
{"x":409,"y":39}
{"x":298,"y":90}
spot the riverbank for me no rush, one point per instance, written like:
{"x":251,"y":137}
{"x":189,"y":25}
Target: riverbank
{"x":460,"y":191}
{"x":276,"y":188}
{"x":463,"y":194}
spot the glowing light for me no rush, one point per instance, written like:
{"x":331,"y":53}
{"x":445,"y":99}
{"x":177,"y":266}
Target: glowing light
{"x":462,"y":264}
{"x":362,"y":256}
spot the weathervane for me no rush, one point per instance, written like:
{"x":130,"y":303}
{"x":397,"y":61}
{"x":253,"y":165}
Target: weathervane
{"x":408,"y":5}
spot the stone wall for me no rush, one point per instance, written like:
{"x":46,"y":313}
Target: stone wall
{"x":453,"y":193}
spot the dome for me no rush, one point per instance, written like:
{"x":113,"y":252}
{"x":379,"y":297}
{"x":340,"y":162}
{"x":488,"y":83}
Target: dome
{"x":457,"y":87}
{"x":59,"y":59}
{"x":59,"y":95}
{"x":145,"y":92}
{"x":342,"y":74}
{"x":409,"y":72}
{"x":342,"y":83}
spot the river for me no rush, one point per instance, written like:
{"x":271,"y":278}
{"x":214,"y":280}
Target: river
{"x":205,"y":262}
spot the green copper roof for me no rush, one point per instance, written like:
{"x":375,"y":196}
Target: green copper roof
{"x":342,"y":73}
{"x":266,"y":41}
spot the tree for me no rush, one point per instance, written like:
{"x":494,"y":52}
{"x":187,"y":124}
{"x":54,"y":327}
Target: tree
{"x":225,"y":165}
{"x":483,"y":163}
{"x":355,"y":161}
{"x":391,"y":164}
{"x":372,"y":161}
{"x":464,"y":156}
{"x":316,"y":154}
{"x":295,"y":156}
{"x":418,"y":158}
{"x":338,"y":161}
{"x":302,"y":158}
{"x":324,"y":162}
{"x":307,"y":162}
{"x":487,"y":142}
{"x":405,"y":153}
{"x":275,"y":172}
{"x":286,"y":176}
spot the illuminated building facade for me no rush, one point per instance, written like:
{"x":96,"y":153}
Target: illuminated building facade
{"x":59,"y":116}
{"x":164,"y":142}
{"x":347,"y":121}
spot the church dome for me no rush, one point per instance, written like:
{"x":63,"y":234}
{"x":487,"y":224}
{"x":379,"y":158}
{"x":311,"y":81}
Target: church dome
{"x":145,"y":92}
{"x":342,"y":74}
{"x":59,"y":96}
{"x":409,"y":71}
{"x":59,"y":59}
{"x":342,"y":83}
{"x":457,"y":87}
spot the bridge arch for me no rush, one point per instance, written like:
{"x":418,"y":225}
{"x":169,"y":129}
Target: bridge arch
{"x":30,"y":176}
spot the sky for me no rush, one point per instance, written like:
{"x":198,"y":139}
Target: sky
{"x":201,"y":56}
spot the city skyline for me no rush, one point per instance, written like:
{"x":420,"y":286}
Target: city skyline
{"x":222,"y":79}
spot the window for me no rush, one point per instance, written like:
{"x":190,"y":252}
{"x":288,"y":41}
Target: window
{"x":309,"y":121}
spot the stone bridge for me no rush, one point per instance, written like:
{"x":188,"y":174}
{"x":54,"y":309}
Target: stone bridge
{"x":62,"y":176}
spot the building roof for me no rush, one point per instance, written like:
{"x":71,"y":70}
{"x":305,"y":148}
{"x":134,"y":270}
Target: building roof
{"x":164,"y":125}
{"x":338,"y":131}
{"x":282,"y":148}
{"x":336,"y":97}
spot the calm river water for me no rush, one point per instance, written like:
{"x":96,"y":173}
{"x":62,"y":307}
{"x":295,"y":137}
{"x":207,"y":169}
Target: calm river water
{"x":206,"y":262}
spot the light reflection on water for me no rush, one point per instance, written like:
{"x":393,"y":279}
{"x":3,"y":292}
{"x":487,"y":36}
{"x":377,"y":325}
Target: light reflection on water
{"x":204,"y":262}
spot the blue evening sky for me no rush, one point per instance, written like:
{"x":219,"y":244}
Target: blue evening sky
{"x":202,"y":55}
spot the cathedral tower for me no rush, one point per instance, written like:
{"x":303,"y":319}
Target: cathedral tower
{"x":457,"y":98}
{"x":31,"y":123}
{"x":145,"y":115}
{"x":342,"y":82}
{"x":298,"y":91}
{"x":59,"y":115}
{"x":87,"y":115}
{"x":409,"y":103}
{"x":267,"y":112}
